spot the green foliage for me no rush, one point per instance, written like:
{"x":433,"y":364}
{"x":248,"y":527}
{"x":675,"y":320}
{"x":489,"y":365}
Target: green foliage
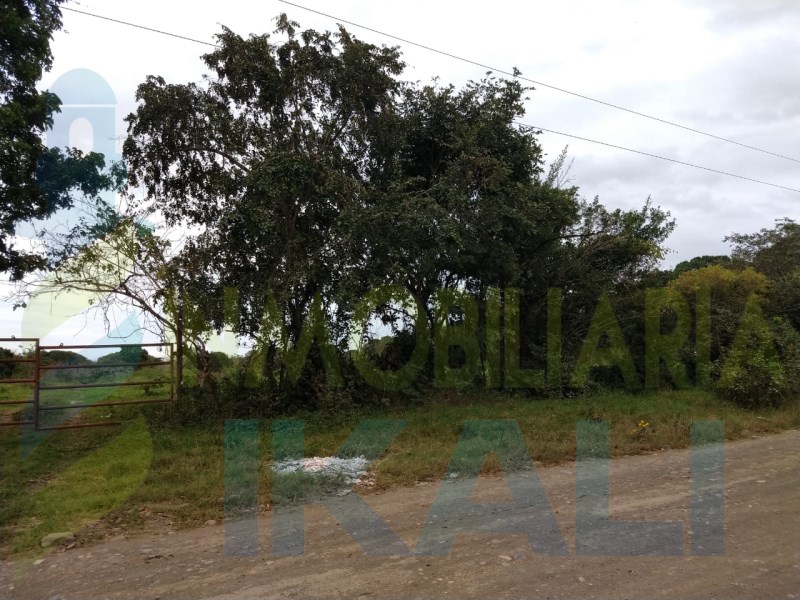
{"x":700,"y":262}
{"x":7,"y":369}
{"x":729,"y":291}
{"x":89,"y":488}
{"x":752,"y":373}
{"x":293,"y":487}
{"x":605,"y":346}
{"x":34,"y":181}
{"x":186,"y":476}
{"x":127,"y":354}
{"x":63,"y":357}
{"x":776,"y":253}
{"x":318,"y":176}
{"x":219,"y":362}
{"x":267,"y":158}
{"x":787,"y":340}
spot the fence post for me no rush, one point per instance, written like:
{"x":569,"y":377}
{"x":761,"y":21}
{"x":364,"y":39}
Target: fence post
{"x":36,"y":375}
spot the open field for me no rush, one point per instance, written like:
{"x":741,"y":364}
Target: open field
{"x":156,"y":377}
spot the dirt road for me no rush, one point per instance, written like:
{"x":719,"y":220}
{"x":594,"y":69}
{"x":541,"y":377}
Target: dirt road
{"x":761,"y":557}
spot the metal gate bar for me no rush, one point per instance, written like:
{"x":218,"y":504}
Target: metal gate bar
{"x":38,"y":409}
{"x":103,"y":366}
{"x":34,"y":382}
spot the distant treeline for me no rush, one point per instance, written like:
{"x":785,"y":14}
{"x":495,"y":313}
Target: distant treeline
{"x":130,"y":356}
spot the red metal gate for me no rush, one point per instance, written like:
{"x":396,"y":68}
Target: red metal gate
{"x":39,"y":408}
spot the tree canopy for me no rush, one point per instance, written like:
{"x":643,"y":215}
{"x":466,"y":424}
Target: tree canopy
{"x":314,"y":174}
{"x":35,"y":181}
{"x":306,"y":174}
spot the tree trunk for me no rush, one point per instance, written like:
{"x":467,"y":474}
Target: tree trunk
{"x":179,"y":353}
{"x":203,"y":364}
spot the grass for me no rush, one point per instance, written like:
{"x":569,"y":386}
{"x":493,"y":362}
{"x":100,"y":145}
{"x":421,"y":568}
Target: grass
{"x":87,"y":489}
{"x":13,"y":391}
{"x":119,"y":479}
{"x":156,"y":378}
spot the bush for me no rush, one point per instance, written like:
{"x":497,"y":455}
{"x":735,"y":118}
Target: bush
{"x":762,"y":368}
{"x":219,"y":362}
{"x":787,"y":340}
{"x":754,"y":383}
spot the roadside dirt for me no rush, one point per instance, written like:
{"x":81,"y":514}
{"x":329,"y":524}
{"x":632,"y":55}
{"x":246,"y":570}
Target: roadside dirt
{"x":761,"y":557}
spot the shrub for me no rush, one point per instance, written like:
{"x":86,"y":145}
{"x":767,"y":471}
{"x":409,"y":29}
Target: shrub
{"x":219,"y":362}
{"x":787,"y":340}
{"x":761,"y":367}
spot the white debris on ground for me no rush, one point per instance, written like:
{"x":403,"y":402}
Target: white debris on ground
{"x":352,"y":469}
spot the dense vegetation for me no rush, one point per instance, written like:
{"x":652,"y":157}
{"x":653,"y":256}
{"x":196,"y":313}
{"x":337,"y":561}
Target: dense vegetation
{"x":370,"y":241}
{"x":370,"y":238}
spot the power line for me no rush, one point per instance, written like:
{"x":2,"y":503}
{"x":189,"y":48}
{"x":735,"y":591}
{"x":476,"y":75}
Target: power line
{"x":540,"y":83}
{"x":175,"y":35}
{"x":658,"y":156}
{"x":641,"y":152}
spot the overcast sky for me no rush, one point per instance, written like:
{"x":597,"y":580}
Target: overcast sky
{"x":728,"y":67}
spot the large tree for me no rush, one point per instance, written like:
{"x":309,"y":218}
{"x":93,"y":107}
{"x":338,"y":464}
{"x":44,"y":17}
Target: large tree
{"x":463,"y":202}
{"x":267,"y":157}
{"x":308,"y":170}
{"x":266,"y":160}
{"x":35,"y":181}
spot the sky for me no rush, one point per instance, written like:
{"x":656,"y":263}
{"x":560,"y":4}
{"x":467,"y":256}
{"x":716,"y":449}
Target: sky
{"x":726,"y":67}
